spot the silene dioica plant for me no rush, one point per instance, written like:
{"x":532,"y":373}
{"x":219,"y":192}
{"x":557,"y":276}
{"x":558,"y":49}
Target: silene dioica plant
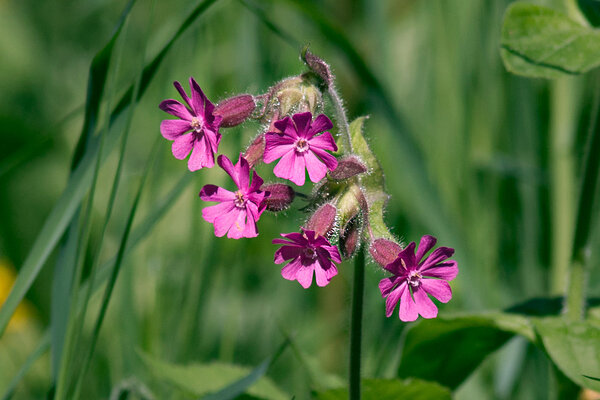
{"x":347,"y":201}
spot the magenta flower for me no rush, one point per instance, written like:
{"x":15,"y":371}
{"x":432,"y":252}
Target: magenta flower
{"x":412,"y":280}
{"x":197,"y":117}
{"x":298,"y":147}
{"x":309,"y":252}
{"x":237,"y":212}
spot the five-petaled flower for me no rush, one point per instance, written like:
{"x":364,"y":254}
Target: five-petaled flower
{"x":308,"y":252}
{"x":197,"y":117}
{"x":298,"y":147}
{"x":237,"y":212}
{"x":412,"y":280}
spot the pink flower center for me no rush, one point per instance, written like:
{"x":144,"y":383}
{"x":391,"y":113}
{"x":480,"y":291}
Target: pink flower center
{"x":197,"y":124}
{"x":239,"y":201}
{"x":302,"y":145}
{"x":414,"y":279}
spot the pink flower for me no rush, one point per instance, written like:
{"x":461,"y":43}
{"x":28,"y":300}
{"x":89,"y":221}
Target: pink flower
{"x":197,"y":117}
{"x":237,"y":212}
{"x":309,"y":252}
{"x":412,"y":280}
{"x":298,"y":147}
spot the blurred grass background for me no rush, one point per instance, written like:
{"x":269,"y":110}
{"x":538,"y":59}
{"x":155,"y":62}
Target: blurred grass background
{"x":493,"y":145}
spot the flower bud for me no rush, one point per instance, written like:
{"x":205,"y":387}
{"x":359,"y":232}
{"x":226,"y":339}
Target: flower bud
{"x":290,"y":96}
{"x":254,"y":152}
{"x":384,"y":251}
{"x":348,"y":167}
{"x":235,"y":110}
{"x":350,"y":237}
{"x":318,"y":66}
{"x":322,"y":220}
{"x":280,"y":196}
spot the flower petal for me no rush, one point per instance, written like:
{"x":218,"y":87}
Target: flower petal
{"x":238,"y":228}
{"x":257,"y":182}
{"x":329,"y":160}
{"x":182,"y":146}
{"x":392,"y":300}
{"x":202,"y":156}
{"x":321,"y":276}
{"x":276,"y":145}
{"x":211,"y":213}
{"x":324,"y":142}
{"x":425,"y":306}
{"x":437,"y":288}
{"x":408,"y":309}
{"x":427,"y":242}
{"x":440,"y":254}
{"x":243,"y":172}
{"x":285,"y":253}
{"x":173,"y":128}
{"x":305,"y":275}
{"x":316,"y":169}
{"x":320,"y":124}
{"x":224,"y":221}
{"x":386,"y":285}
{"x":290,"y":271}
{"x":446,"y":270}
{"x":176,"y":109}
{"x":302,"y":122}
{"x":291,"y":166}
{"x":287,"y":127}
{"x":216,"y":193}
{"x":182,"y":93}
{"x":200,"y":104}
{"x":228,"y":167}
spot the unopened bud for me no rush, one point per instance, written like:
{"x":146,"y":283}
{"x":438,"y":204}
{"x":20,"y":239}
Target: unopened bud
{"x":235,"y":110}
{"x":349,"y":238}
{"x":348,"y":167}
{"x":280,"y":196}
{"x":384,"y":251}
{"x":322,"y":220}
{"x":318,"y":66}
{"x":255,"y":151}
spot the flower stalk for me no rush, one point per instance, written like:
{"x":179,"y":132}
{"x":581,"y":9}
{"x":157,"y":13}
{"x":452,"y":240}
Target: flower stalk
{"x":356,"y":325}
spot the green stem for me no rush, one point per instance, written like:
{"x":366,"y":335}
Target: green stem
{"x":341,"y":118}
{"x":356,"y":325}
{"x":575,"y":298}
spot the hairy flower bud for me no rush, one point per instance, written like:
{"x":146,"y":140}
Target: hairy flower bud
{"x":384,"y":251}
{"x":318,"y":66}
{"x":350,"y":237}
{"x":235,"y":110}
{"x":291,"y":96}
{"x":254,"y":152}
{"x":280,"y":196}
{"x":348,"y":167}
{"x":323,"y":220}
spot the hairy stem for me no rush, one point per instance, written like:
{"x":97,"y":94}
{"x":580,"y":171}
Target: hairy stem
{"x":356,"y":325}
{"x":341,"y":119}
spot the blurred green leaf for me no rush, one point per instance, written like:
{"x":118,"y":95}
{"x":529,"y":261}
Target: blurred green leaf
{"x":392,"y":389}
{"x":449,"y":349}
{"x":591,"y":10}
{"x":541,"y":42}
{"x":573,"y":346}
{"x":203,"y":379}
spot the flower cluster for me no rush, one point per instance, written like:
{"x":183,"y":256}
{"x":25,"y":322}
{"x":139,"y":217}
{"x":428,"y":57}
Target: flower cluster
{"x":347,"y":201}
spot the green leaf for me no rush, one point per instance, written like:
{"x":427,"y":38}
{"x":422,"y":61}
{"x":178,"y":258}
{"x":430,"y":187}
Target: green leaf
{"x":204,"y":379}
{"x":372,"y":182}
{"x":79,"y":183}
{"x":392,"y":389}
{"x":541,"y":42}
{"x":449,"y":349}
{"x":591,"y":10}
{"x":573,"y":346}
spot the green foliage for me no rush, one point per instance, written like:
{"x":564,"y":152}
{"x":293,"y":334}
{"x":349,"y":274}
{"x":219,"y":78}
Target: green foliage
{"x":392,"y":389}
{"x":591,"y":9}
{"x":203,"y":379}
{"x":449,"y":349}
{"x":573,"y":346}
{"x":541,"y":42}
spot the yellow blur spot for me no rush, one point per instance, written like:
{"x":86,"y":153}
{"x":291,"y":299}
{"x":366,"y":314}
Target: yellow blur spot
{"x":24,"y":312}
